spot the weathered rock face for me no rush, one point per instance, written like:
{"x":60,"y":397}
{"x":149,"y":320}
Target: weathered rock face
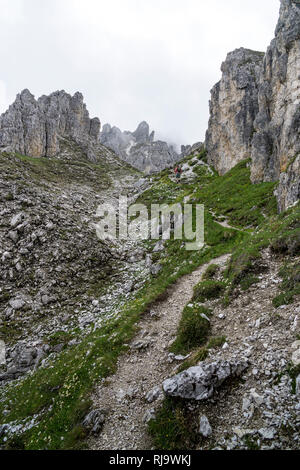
{"x":50,"y":254}
{"x":255,"y":110}
{"x":191,"y":149}
{"x":276,"y":143}
{"x":200,"y":382}
{"x":138,"y":148}
{"x":233,"y":108}
{"x":34,"y":127}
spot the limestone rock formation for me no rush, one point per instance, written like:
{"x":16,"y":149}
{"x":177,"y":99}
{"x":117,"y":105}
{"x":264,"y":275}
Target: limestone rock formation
{"x":34,"y":127}
{"x":255,"y":110}
{"x":190,"y":149}
{"x":233,"y":108}
{"x":200,"y":382}
{"x":276,"y":143}
{"x":138,"y":148}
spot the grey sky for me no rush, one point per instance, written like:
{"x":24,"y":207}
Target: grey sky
{"x":133,"y":60}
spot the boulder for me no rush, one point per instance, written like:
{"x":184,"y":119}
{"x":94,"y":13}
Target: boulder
{"x":94,"y":421}
{"x":200,"y":382}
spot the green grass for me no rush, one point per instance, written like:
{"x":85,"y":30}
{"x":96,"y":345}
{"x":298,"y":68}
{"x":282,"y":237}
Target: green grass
{"x":59,"y":392}
{"x":248,"y":281}
{"x":290,"y":287}
{"x":233,"y":195}
{"x":216,"y":342}
{"x":193,"y":329}
{"x":67,"y":382}
{"x":244,"y":205}
{"x":211,"y":272}
{"x":208,"y":290}
{"x":246,"y":262}
{"x":171,"y":429}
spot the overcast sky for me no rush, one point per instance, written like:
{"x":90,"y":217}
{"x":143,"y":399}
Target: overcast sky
{"x":133,"y":60}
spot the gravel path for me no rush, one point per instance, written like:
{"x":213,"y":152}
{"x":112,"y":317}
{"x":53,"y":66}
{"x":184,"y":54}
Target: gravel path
{"x":142,"y":369}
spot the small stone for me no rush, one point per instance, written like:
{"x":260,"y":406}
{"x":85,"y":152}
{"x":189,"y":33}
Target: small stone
{"x":13,"y":236}
{"x":153,"y":395}
{"x":258,"y":399}
{"x":267,"y":433}
{"x":16,"y":220}
{"x":159,"y":246}
{"x":242,"y":432}
{"x":205,"y":428}
{"x":246,"y":404}
{"x":155,"y":269}
{"x":298,"y":385}
{"x":296,"y":357}
{"x":17,"y":304}
{"x":150,"y":414}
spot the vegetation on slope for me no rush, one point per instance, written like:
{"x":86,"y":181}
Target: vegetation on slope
{"x":57,"y":395}
{"x":244,"y":205}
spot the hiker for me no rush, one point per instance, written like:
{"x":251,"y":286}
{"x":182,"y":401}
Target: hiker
{"x":178,"y":172}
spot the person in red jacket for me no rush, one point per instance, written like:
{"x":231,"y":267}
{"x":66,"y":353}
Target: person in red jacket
{"x":178,"y":171}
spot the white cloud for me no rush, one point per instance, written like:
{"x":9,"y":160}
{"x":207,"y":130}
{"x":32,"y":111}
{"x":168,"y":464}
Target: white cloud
{"x":132,"y":59}
{"x":3,"y":97}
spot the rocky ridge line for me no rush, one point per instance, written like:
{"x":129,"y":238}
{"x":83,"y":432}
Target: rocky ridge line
{"x":139,"y":148}
{"x":34,"y":127}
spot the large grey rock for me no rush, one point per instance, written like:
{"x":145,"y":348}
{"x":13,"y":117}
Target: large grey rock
{"x":138,"y":148}
{"x":34,"y":127}
{"x":200,"y":382}
{"x":94,"y":421}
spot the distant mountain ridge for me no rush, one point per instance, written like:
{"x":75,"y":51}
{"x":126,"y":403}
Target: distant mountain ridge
{"x":139,"y":148}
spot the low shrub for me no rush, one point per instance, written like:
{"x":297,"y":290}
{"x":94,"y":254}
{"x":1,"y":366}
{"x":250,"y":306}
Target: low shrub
{"x":207,"y":290}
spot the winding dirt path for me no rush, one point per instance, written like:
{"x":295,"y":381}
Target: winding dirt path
{"x":142,"y":369}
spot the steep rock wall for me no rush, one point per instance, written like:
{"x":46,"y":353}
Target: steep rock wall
{"x":33,"y":127}
{"x":276,"y":143}
{"x":255,"y":110}
{"x":233,"y":108}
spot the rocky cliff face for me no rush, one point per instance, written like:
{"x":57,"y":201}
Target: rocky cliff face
{"x":191,"y":149}
{"x":34,"y":127}
{"x":255,"y":110}
{"x":276,"y":143}
{"x":138,"y":148}
{"x":233,"y":108}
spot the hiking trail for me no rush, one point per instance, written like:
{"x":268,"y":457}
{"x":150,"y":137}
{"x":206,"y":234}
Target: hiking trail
{"x":143,"y":368}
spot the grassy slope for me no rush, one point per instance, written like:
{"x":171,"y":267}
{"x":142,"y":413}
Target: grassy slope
{"x":59,"y":392}
{"x":171,"y":428}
